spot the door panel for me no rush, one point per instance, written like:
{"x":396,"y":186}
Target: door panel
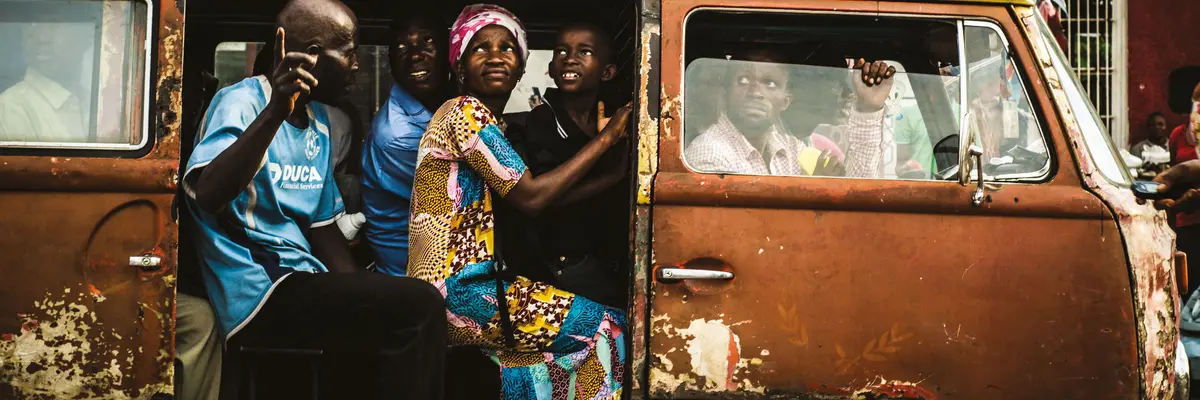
{"x":836,"y":301}
{"x":78,"y":317}
{"x":80,"y":320}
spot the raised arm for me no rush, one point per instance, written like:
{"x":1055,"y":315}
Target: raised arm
{"x":219,"y":182}
{"x":533,"y":194}
{"x":864,"y":130}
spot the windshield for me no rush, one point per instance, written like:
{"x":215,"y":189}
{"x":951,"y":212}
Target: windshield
{"x":1095,"y":134}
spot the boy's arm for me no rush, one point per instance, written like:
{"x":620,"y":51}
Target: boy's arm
{"x":613,"y":170}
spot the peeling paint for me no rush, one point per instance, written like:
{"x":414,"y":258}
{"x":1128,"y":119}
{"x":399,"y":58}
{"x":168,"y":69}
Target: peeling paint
{"x":647,"y":124}
{"x":880,"y":388}
{"x":713,"y":346}
{"x":714,"y":359}
{"x":60,"y":352}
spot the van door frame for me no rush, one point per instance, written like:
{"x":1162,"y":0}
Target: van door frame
{"x":152,"y":178}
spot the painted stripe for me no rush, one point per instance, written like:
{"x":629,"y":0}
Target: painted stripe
{"x":187,"y":188}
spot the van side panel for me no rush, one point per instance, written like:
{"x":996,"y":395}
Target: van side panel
{"x":87,"y":284}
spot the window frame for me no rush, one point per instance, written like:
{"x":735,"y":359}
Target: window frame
{"x":56,"y":148}
{"x":1043,"y":173}
{"x":1042,"y":176}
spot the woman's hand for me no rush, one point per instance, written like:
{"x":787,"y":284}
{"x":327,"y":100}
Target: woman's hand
{"x":1180,"y":180}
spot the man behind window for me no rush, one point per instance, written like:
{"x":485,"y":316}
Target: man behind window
{"x":748,"y":137}
{"x":49,"y":104}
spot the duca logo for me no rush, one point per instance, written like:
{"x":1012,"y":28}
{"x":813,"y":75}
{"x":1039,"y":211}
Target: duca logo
{"x":295,"y":176}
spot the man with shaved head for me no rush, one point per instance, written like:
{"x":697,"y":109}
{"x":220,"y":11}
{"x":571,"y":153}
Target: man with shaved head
{"x":259,"y":186}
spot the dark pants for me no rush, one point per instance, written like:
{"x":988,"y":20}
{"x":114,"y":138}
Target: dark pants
{"x":1187,"y":240}
{"x":382,"y":336}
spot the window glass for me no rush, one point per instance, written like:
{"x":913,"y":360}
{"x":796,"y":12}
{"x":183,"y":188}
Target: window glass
{"x":773,"y":94}
{"x":999,"y":111}
{"x":73,"y":74}
{"x":537,"y":76}
{"x":235,"y":61}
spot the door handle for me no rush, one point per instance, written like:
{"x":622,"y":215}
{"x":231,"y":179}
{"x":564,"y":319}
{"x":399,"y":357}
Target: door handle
{"x":673,"y":274}
{"x":146,"y":262}
{"x":978,"y":197}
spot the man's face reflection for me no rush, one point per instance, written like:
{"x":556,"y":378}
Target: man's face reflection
{"x":56,"y":49}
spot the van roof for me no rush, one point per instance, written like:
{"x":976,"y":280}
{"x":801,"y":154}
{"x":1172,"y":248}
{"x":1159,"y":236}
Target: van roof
{"x":1031,"y":3}
{"x":451,"y":7}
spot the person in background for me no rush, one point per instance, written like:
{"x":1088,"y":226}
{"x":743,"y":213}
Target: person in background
{"x":913,"y":144}
{"x":1185,"y":221}
{"x":50,"y":104}
{"x":549,"y":343}
{"x":1157,"y":135}
{"x":1153,"y":151}
{"x":582,"y":238}
{"x":1052,"y":12}
{"x":420,"y":69}
{"x":259,"y":190}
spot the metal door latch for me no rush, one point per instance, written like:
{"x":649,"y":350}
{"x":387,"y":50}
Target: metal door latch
{"x":672,"y":274}
{"x":146,"y":262}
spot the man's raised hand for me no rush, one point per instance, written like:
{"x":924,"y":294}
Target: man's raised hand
{"x":290,"y":78}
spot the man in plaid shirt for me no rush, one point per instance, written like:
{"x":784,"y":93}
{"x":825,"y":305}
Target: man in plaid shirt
{"x":749,"y":139}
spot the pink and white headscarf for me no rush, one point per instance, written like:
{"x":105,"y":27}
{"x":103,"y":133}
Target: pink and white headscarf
{"x":478,"y":16}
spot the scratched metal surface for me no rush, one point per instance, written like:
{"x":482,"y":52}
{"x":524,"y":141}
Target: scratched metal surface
{"x":75,"y":320}
{"x":1148,"y":241}
{"x":872,"y":289}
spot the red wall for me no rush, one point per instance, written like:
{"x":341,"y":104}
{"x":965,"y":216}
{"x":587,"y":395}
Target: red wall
{"x":1163,"y":35}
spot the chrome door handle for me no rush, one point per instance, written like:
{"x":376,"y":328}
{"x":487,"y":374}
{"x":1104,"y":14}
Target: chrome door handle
{"x":978,"y":197}
{"x":672,"y":274}
{"x":145,"y":262}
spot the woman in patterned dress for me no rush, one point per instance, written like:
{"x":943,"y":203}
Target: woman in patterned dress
{"x":563,"y":346}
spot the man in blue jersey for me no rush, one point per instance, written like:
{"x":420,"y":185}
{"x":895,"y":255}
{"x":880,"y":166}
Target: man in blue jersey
{"x":262,"y":194}
{"x":421,"y":70}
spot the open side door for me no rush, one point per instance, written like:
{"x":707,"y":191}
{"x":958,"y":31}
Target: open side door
{"x":87,"y":191}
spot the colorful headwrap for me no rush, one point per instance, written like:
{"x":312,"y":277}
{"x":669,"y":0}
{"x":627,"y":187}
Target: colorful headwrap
{"x":478,"y":16}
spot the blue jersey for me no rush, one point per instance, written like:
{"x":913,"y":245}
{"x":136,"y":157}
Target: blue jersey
{"x":255,"y":241}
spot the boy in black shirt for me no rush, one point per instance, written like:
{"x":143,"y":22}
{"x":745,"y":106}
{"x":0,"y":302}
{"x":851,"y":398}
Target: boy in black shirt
{"x":583,"y":238}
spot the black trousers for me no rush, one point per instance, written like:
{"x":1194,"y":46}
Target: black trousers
{"x":1187,"y":240}
{"x":382,"y":336}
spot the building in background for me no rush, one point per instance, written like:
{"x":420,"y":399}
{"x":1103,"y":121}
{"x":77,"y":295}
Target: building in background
{"x":1163,"y":42}
{"x":1098,"y":46}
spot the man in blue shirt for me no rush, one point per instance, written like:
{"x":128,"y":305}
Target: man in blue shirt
{"x":421,"y":71}
{"x":261,"y":192}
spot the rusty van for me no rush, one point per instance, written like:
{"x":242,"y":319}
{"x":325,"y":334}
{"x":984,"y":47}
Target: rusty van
{"x":995,"y":252}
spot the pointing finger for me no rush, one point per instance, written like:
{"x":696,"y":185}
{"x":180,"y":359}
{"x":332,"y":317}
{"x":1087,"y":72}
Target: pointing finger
{"x":280,"y":49}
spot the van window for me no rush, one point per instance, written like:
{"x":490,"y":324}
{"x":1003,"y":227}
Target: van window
{"x":73,"y":75}
{"x":1000,"y":112}
{"x":772,"y":93}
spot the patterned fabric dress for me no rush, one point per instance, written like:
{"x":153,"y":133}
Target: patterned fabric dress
{"x":568,"y":347}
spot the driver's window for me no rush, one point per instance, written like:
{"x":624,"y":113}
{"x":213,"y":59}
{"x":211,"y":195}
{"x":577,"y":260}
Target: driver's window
{"x":999,"y":112}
